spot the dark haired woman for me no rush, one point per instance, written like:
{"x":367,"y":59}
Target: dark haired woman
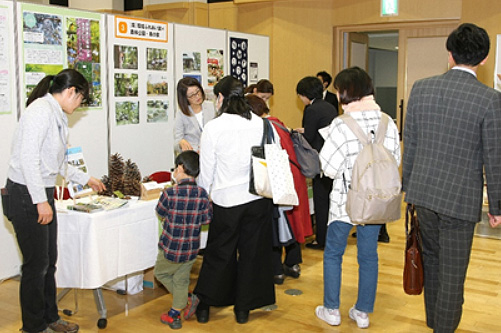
{"x":38,"y":156}
{"x":237,"y":268}
{"x":192,"y":116}
{"x":338,"y":154}
{"x":297,"y":216}
{"x":263,"y":89}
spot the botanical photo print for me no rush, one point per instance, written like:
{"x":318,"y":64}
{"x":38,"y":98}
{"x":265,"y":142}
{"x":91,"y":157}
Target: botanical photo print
{"x":125,"y":57}
{"x":42,"y":28}
{"x":126,"y":85}
{"x":157,"y":111}
{"x":127,"y":113}
{"x":157,"y":84}
{"x":156,"y":59}
{"x":191,"y":62}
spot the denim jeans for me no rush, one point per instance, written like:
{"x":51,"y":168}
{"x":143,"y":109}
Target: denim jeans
{"x":38,"y":245}
{"x":337,"y":238}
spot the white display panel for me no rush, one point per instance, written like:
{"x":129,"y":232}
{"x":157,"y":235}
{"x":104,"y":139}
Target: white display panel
{"x":141,"y":89}
{"x":200,"y":53}
{"x":52,"y":38}
{"x":11,"y":258}
{"x":248,"y":57}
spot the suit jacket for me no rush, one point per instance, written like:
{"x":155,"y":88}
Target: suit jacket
{"x":187,"y":127}
{"x":452,"y":132}
{"x":317,"y":115}
{"x":331,"y":98}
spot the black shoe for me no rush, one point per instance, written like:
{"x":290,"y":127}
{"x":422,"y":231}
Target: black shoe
{"x":383,"y":238}
{"x":279,"y":279}
{"x":293,"y":271}
{"x":202,"y":313}
{"x":241,"y":316}
{"x":383,"y":235}
{"x":314,"y":245}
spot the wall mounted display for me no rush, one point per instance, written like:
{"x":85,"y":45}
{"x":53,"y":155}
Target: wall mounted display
{"x":239,"y":59}
{"x":50,"y":39}
{"x":248,"y":56}
{"x":142,"y":93}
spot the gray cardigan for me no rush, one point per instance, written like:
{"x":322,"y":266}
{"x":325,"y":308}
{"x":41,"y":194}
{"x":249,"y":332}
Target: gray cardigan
{"x":39,"y":149}
{"x":188,"y":128}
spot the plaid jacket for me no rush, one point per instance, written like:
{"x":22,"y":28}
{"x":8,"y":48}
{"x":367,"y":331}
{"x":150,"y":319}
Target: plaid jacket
{"x":452,"y":132}
{"x":183,"y":209}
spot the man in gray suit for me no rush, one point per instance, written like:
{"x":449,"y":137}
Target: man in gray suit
{"x":452,"y":134}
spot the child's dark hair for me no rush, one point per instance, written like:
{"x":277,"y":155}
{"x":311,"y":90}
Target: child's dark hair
{"x":353,"y":84}
{"x":67,"y":78}
{"x":190,"y":161}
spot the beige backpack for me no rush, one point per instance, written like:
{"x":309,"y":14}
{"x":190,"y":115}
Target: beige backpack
{"x":374,"y":195}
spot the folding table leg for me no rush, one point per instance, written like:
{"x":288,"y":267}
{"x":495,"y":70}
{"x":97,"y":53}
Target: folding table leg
{"x":62,"y":294}
{"x":101,"y":308}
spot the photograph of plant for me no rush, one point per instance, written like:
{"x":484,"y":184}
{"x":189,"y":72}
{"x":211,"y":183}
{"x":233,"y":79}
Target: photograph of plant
{"x":126,"y":85}
{"x":156,"y":59}
{"x":157,"y":111}
{"x":127,"y":113}
{"x":125,"y":57}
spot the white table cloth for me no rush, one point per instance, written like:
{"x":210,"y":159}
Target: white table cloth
{"x":94,"y":248}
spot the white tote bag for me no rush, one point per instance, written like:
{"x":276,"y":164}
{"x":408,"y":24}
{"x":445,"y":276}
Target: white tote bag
{"x":280,"y":175}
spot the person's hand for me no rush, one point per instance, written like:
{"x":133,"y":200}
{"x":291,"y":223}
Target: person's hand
{"x":185,"y":145}
{"x":494,"y":220}
{"x":44,"y":212}
{"x":96,"y":184}
{"x":299,"y":130}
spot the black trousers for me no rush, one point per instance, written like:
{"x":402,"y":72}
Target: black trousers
{"x":447,"y":246}
{"x":237,"y":266}
{"x":38,"y":245}
{"x":322,"y":187}
{"x":292,"y":257}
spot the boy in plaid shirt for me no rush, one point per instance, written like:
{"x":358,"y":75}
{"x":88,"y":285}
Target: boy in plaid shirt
{"x":183,"y":209}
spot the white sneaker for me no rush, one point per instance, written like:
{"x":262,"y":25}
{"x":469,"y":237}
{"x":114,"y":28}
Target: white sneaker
{"x":331,"y":317}
{"x":362,"y":318}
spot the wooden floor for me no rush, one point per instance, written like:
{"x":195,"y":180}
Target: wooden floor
{"x":394,"y":310}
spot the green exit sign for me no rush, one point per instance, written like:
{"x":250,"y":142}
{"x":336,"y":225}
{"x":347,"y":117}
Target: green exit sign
{"x":389,"y":7}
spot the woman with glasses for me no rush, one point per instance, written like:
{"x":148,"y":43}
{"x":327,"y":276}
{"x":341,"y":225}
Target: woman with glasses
{"x":38,"y":156}
{"x":192,"y":115}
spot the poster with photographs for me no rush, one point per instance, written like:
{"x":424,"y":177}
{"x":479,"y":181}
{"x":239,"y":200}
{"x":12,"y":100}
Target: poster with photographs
{"x":83,"y":53}
{"x":57,"y":38}
{"x":158,"y":84}
{"x":215,"y":66}
{"x":125,"y":57}
{"x":191,"y":62}
{"x":127,"y":113}
{"x":126,"y":85}
{"x":156,"y":59}
{"x":41,"y":28}
{"x":157,"y":111}
{"x":239,"y":58}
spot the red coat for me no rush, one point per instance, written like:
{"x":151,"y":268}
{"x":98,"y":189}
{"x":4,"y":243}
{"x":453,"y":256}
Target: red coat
{"x":299,"y":216}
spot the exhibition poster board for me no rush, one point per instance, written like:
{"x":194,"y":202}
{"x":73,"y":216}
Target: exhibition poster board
{"x":141,"y":76}
{"x":201,"y":56}
{"x":52,"y":38}
{"x":11,"y":258}
{"x":248,"y":57}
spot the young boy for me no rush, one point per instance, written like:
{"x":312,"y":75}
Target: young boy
{"x":183,"y":208}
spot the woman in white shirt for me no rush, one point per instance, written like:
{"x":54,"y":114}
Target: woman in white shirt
{"x":38,"y":157}
{"x":338,"y":154}
{"x":192,"y":115}
{"x":237,"y":267}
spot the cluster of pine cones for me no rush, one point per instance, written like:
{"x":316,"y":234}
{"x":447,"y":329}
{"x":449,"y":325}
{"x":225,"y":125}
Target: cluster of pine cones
{"x":123,"y":177}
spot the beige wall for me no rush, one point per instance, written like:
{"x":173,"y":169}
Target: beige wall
{"x":487,"y":14}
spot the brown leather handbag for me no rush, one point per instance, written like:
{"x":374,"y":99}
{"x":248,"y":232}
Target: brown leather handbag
{"x":413,"y":267}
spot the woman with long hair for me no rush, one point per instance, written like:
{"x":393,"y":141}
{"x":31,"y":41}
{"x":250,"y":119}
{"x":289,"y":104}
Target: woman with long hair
{"x":194,"y":112}
{"x":38,"y":157}
{"x":237,"y":268}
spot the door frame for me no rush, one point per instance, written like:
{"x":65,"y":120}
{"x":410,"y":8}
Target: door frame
{"x":431,"y":28}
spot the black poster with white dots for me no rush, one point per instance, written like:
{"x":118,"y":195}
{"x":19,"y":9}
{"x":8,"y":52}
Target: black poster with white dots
{"x":238,"y":59}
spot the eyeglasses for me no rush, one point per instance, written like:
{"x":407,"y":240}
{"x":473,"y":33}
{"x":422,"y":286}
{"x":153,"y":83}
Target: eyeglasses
{"x":195,"y":94}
